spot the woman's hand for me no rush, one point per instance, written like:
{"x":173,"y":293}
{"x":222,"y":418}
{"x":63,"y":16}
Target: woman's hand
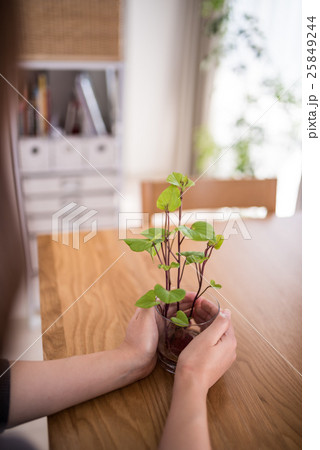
{"x":142,"y":339}
{"x":211,"y":353}
{"x":200,"y":365}
{"x":41,"y":388}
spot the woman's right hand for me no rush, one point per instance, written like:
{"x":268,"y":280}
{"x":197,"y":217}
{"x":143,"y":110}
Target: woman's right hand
{"x":211,"y":353}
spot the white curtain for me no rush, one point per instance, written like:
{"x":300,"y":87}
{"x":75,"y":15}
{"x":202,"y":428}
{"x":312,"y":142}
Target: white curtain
{"x":279,"y":155}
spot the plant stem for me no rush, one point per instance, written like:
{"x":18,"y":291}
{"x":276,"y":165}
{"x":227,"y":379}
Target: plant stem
{"x":204,"y":290}
{"x":200,"y":272}
{"x":162,"y":251}
{"x":194,"y":302}
{"x":165,"y":239}
{"x":172,"y":242}
{"x":197,"y":272}
{"x":184,"y":264}
{"x":177,"y":259}
{"x":200,"y":279}
{"x":179,"y":248}
{"x":179,"y":243}
{"x":155,"y":247}
{"x":167,"y":259}
{"x":168,"y":250}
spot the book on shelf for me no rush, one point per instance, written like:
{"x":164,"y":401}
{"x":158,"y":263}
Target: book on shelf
{"x":33,"y":112}
{"x":91,"y":109}
{"x":92,"y":118}
{"x":42,"y":105}
{"x":113,"y":98}
{"x":73,"y":122}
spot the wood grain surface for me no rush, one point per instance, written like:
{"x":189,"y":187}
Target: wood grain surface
{"x":255,"y":405}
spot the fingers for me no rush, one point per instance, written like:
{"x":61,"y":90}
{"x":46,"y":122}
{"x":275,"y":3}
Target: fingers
{"x":205,"y":310}
{"x":190,"y":296}
{"x":143,"y":314}
{"x":228,"y":343}
{"x":229,"y":336}
{"x":218,"y":327}
{"x":209,"y":307}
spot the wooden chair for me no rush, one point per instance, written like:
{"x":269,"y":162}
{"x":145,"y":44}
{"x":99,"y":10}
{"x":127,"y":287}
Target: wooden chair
{"x":210,"y":193}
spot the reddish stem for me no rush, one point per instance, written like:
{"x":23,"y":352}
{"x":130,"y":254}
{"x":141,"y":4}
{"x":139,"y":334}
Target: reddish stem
{"x":179,"y":248}
{"x":155,"y":247}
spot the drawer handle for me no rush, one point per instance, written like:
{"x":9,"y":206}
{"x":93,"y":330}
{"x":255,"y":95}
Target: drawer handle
{"x":101,"y":148}
{"x":34,"y":150}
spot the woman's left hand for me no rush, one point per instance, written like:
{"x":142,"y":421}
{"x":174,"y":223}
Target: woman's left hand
{"x":142,"y":339}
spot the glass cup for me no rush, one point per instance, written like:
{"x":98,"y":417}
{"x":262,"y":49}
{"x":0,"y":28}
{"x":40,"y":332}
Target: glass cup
{"x":172,"y":338}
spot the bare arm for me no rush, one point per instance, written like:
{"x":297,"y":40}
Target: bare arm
{"x":44,"y":387}
{"x":186,"y":427}
{"x":200,"y":365}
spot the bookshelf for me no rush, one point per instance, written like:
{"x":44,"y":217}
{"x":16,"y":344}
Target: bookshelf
{"x":56,"y":166}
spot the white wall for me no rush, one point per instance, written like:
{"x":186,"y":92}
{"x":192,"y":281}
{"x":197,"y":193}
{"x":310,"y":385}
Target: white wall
{"x":160,"y":46}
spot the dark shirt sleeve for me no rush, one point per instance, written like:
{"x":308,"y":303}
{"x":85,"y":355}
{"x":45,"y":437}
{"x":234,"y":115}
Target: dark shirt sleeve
{"x":4,"y":393}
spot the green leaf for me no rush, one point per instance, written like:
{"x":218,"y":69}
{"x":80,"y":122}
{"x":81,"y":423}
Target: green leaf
{"x":187,"y":232}
{"x":154,"y":233}
{"x":205,"y":229}
{"x":182,"y":181}
{"x":175,"y":178}
{"x":199,"y":231}
{"x":172,"y":266}
{"x":219,"y":241}
{"x":181,"y":319}
{"x":169,"y":199}
{"x":152,"y":250}
{"x":194,"y":257}
{"x":176,"y":295}
{"x":138,"y":245}
{"x":181,"y":315}
{"x":164,"y":267}
{"x":215,"y":285}
{"x":186,"y":254}
{"x":147,"y":300}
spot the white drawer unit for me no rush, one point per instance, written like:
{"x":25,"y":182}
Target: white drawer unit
{"x":106,"y":202}
{"x":42,"y":205}
{"x":68,"y":154}
{"x":97,"y":182}
{"x":52,"y":186}
{"x":102,"y":152}
{"x":35,"y":186}
{"x":34,"y":154}
{"x":70,"y":185}
{"x":66,"y":185}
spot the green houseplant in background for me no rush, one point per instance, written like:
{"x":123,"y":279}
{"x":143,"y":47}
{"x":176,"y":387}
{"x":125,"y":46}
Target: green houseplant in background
{"x":180,"y":316}
{"x":244,"y":136}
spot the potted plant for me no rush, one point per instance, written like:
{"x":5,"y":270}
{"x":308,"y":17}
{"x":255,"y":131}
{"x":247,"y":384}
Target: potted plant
{"x":180,"y":316}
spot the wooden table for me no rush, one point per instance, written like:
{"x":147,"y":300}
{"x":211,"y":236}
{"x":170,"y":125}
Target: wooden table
{"x":256,"y":404}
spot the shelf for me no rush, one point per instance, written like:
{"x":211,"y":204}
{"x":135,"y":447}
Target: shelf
{"x":71,"y":69}
{"x":109,"y":191}
{"x":70,"y":65}
{"x":52,"y":170}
